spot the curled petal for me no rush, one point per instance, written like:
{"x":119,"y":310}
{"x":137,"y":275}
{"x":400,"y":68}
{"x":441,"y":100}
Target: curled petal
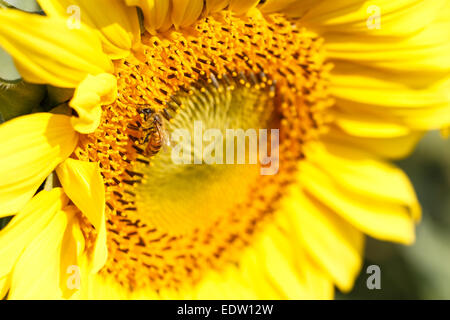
{"x":83,"y":184}
{"x":89,"y":96}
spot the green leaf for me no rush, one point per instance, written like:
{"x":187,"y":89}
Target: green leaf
{"x":24,"y":5}
{"x":19,"y":99}
{"x":56,"y":98}
{"x":8,"y":71}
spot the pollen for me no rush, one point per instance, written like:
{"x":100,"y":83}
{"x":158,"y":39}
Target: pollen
{"x":169,"y":223}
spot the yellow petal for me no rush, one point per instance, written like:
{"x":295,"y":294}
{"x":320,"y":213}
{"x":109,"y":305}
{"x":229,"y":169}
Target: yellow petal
{"x":72,"y":250}
{"x":186,"y":12}
{"x":156,"y":14}
{"x":31,"y":147}
{"x":75,"y":236}
{"x":5,"y":283}
{"x":424,"y":52}
{"x":224,"y":285}
{"x":45,"y":50}
{"x":367,"y":200}
{"x":274,"y":267}
{"x":351,"y":81}
{"x":368,"y":125}
{"x":41,"y":257}
{"x":216,"y":5}
{"x":101,"y":287}
{"x":83,"y":184}
{"x":117,"y":27}
{"x":394,"y":147}
{"x":292,"y":8}
{"x":271,"y":6}
{"x":26,"y":226}
{"x":89,"y":96}
{"x":241,"y":7}
{"x":251,"y":263}
{"x":358,"y":171}
{"x":290,"y":270}
{"x":354,"y":16}
{"x":335,"y":244}
{"x":418,"y":103}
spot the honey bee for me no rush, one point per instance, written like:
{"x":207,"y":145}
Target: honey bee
{"x":155,"y":135}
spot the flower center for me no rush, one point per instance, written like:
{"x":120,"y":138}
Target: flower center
{"x":187,"y":186}
{"x":190,"y":185}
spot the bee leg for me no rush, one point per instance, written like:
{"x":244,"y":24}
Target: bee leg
{"x":147,"y":136}
{"x":133,"y":127}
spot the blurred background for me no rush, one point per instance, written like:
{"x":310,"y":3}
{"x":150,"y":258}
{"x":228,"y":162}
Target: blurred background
{"x":420,"y":271}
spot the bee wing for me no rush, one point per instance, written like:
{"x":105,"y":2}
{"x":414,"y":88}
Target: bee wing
{"x":165,"y":138}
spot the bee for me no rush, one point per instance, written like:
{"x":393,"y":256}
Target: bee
{"x":155,"y":135}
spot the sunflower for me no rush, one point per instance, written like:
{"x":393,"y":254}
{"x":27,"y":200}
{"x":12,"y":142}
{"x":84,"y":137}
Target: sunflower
{"x":349,"y":84}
